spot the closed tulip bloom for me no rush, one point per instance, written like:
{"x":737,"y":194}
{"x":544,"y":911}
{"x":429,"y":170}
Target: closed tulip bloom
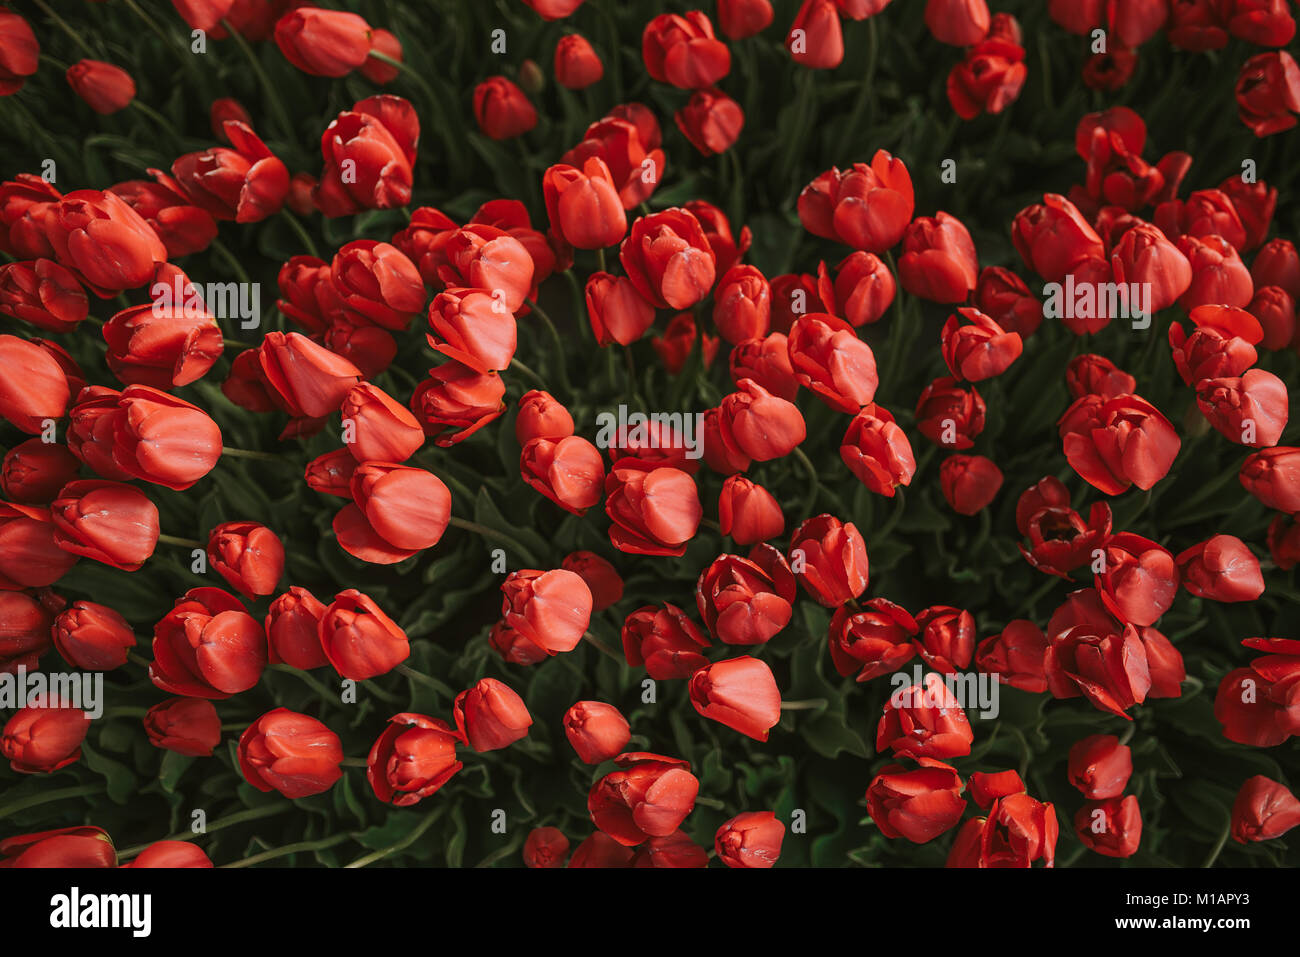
{"x":1221,"y":568}
{"x":1268,"y":93}
{"x":1004,"y":296}
{"x":601,"y":850}
{"x":583,"y":205}
{"x":683,"y":51}
{"x":67,"y":847}
{"x":938,"y":261}
{"x":1252,"y":709}
{"x":711,"y":121}
{"x":1275,"y":309}
{"x":577,"y":65}
{"x":188,"y":726}
{"x":653,"y":511}
{"x":664,"y":641}
{"x":207,"y":646}
{"x":105,"y":88}
{"x":247,"y":555}
{"x":918,"y":805}
{"x":1145,"y":256}
{"x":570,"y":472}
{"x":375,"y":142}
{"x":377,"y":283}
{"x":668,"y":259}
{"x":305,"y":379}
{"x":358,"y":639}
{"x":617,"y":311}
{"x":43,"y":293}
{"x":743,"y":602}
{"x":1251,"y":410}
{"x":545,"y":847}
{"x":1018,"y":831}
{"x":226,"y":108}
{"x":752,"y":839}
{"x":92,"y":637}
{"x":1112,"y":827}
{"x":293,"y":629}
{"x":485,"y":257}
{"x":1219,"y":277}
{"x":738,"y":19}
{"x":107,"y":521}
{"x":678,"y":342}
{"x":331,"y":473}
{"x":170,"y":854}
{"x":816,"y":39}
{"x":397,"y":511}
{"x":472,"y":327}
{"x":950,"y":414}
{"x":742,"y":305}
{"x":413,"y":758}
{"x":92,"y":423}
{"x":1115,"y":443}
{"x":382,"y":429}
{"x":245,"y":184}
{"x":162,"y":439}
{"x":551,"y":609}
{"x":1092,"y":374}
{"x":829,"y":358}
{"x":491,"y":716}
{"x":162,"y":345}
{"x":980,"y":349}
{"x":959,"y":23}
{"x":748,"y":512}
{"x":947,"y":638}
{"x":291,"y":753}
{"x":969,"y":482}
{"x":1264,"y":809}
{"x":767,"y":362}
{"x":455,"y":397}
{"x":829,"y":558}
{"x":675,"y":850}
{"x":1100,"y":767}
{"x":541,"y":416}
{"x":760,"y":425}
{"x":19,"y":52}
{"x":502,"y":110}
{"x":877,"y":451}
{"x":1106,"y":666}
{"x":33,"y":471}
{"x":635,"y":162}
{"x":597,"y":731}
{"x":34,"y":384}
{"x":924,"y":721}
{"x":866,"y":207}
{"x":872,"y":641}
{"x":24,"y":631}
{"x":323,"y":42}
{"x":649,"y":796}
{"x":740,"y":693}
{"x":1278,"y":264}
{"x":1284,"y":541}
{"x":1015,"y":655}
{"x":44,"y":736}
{"x":1206,"y":212}
{"x":1273,"y":476}
{"x":602,"y":578}
{"x":863,"y":289}
{"x":30,"y":555}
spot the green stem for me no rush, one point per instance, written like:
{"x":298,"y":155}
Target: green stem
{"x":814,"y":484}
{"x":604,"y":648}
{"x":1218,"y":845}
{"x":355,"y":763}
{"x":229,"y":258}
{"x":63,"y":25}
{"x":403,"y":843}
{"x":179,"y":542}
{"x":272,"y":94}
{"x":44,"y":797}
{"x":301,"y":231}
{"x":251,"y":454}
{"x":298,"y":848}
{"x":240,"y":817}
{"x":600,"y":259}
{"x":153,"y":114}
{"x":455,"y":157}
{"x":426,"y":680}
{"x":125,"y":713}
{"x":557,"y":343}
{"x":306,"y":679}
{"x":809,"y":704}
{"x":135,"y":659}
{"x":528,"y":373}
{"x":498,"y":536}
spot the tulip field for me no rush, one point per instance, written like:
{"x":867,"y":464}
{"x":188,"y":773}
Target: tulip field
{"x":619,"y":433}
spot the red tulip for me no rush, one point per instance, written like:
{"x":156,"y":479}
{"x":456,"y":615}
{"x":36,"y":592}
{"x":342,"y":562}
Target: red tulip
{"x":866,"y":207}
{"x":947,"y":638}
{"x":985,"y":787}
{"x":748,"y":512}
{"x":19,"y":52}
{"x":35,"y":384}
{"x":829,"y":358}
{"x":43,"y":293}
{"x":162,"y":345}
{"x":959,"y":23}
{"x":746,"y":601}
{"x":83,"y":846}
{"x":816,"y":39}
{"x":551,"y":609}
{"x":358,"y":639}
{"x":752,"y":839}
{"x":1264,"y":809}
{"x":601,"y":577}
{"x":545,"y":847}
{"x":1015,"y":656}
{"x":980,"y":350}
{"x":92,"y":637}
{"x":664,"y":641}
{"x":375,"y":283}
{"x":583,"y":205}
{"x":683,"y":51}
{"x":969,"y":482}
{"x":107,"y":521}
{"x":597,"y":731}
{"x":413,"y":758}
{"x":1004,"y":297}
{"x":649,"y":796}
{"x":668,"y":259}
{"x":744,"y":18}
{"x":938,"y":261}
{"x":291,"y":753}
{"x":1112,"y":827}
{"x":1053,"y":238}
{"x":375,"y":142}
{"x":303,"y":378}
{"x":711,"y":121}
{"x":1251,"y":410}
{"x":759,"y":425}
{"x":502,"y":110}
{"x":1091,"y":374}
{"x":1221,"y":568}
{"x":577,"y":66}
{"x":918,"y":805}
{"x":1115,"y":443}
{"x":740,"y":693}
{"x":873,"y":641}
{"x":207,"y":646}
{"x":1137,"y":580}
{"x":30,"y":555}
{"x":1100,"y":767}
{"x":1109,"y":668}
{"x":24,"y":632}
{"x":323,"y":42}
{"x":924,"y":722}
{"x":950,"y":414}
{"x":830,"y":560}
{"x":1273,"y":477}
{"x":635,"y":162}
{"x":188,"y":726}
{"x":491,"y":716}
{"x":171,"y":854}
{"x":1268,"y":93}
{"x":44,"y":736}
{"x":245,"y":184}
{"x":247,"y":555}
{"x":653,"y":511}
{"x":105,"y":88}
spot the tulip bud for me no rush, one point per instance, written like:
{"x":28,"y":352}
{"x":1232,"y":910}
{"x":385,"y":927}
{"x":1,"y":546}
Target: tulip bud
{"x":107,"y":521}
{"x":185,"y":725}
{"x":44,"y":736}
{"x":502,"y":110}
{"x":66,"y":847}
{"x":551,"y":609}
{"x":829,"y":558}
{"x":33,"y":471}
{"x":665,"y":641}
{"x":601,"y":577}
{"x":412,"y":759}
{"x":576,"y":64}
{"x":649,"y":796}
{"x":668,"y":259}
{"x":924,"y":721}
{"x":918,"y":805}
{"x":752,"y":839}
{"x":92,"y":637}
{"x":323,"y":42}
{"x":938,"y":261}
{"x":748,"y":512}
{"x":358,"y":639}
{"x":1100,"y":766}
{"x":247,"y":555}
{"x":291,"y":753}
{"x":171,"y":854}
{"x":877,"y":451}
{"x":491,"y":716}
{"x":207,"y":646}
{"x":969,"y":482}
{"x":1264,"y":809}
{"x":597,"y":731}
{"x":570,"y":472}
{"x":1221,"y":568}
{"x":1112,"y":827}
{"x":105,"y":88}
{"x":653,"y":511}
{"x":740,"y":693}
{"x":875,"y":639}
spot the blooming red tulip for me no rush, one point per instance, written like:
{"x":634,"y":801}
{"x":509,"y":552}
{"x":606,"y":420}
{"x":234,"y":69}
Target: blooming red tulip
{"x":746,"y":601}
{"x":36,"y":384}
{"x":938,"y":261}
{"x":668,"y":259}
{"x":1053,"y":238}
{"x":44,"y":736}
{"x":866,"y":207}
{"x":597,"y":731}
{"x":188,"y":726}
{"x":664,"y":641}
{"x":1112,"y":827}
{"x":551,"y":609}
{"x":759,"y":425}
{"x":24,"y":631}
{"x":1137,"y":579}
{"x":980,"y":350}
{"x":107,"y":521}
{"x":873,"y":641}
{"x":1107,"y":667}
{"x":947,"y":638}
{"x":245,"y":184}
{"x":1268,"y":93}
{"x":960,"y":23}
{"x":924,"y":722}
{"x":161,"y":439}
{"x":918,"y":805}
{"x":247,"y":555}
{"x":1273,"y":477}
{"x":989,"y":79}
{"x":950,"y":414}
{"x":829,"y":558}
{"x":969,"y":482}
{"x":413,"y":758}
{"x":1015,"y":656}
{"x":711,"y":121}
{"x":358,"y":639}
{"x":683,"y":51}
{"x":502,"y":110}
{"x":546,"y":847}
{"x":653,"y":511}
{"x":602,"y":578}
{"x":1264,"y":809}
{"x":1221,"y":568}
{"x":748,"y":512}
{"x":291,"y":753}
{"x":743,"y":18}
{"x":33,"y":471}
{"x":207,"y":646}
{"x":43,"y":293}
{"x":649,"y":796}
{"x":629,"y":149}
{"x":1100,"y":766}
{"x":376,"y":283}
{"x":583,"y":205}
{"x":1115,"y":443}
{"x":491,"y":715}
{"x":985,"y":787}
{"x":323,"y":42}
{"x":829,"y":358}
{"x":1251,"y":410}
{"x":375,"y":142}
{"x":19,"y":52}
{"x":162,"y":345}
